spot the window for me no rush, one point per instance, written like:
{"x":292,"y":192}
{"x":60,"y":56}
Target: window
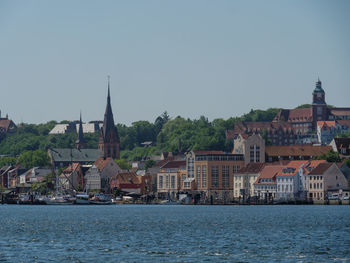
{"x":167,"y":181}
{"x":190,"y":167}
{"x":236,"y":168}
{"x":198,"y":173}
{"x":319,"y":110}
{"x":204,"y":176}
{"x":225,"y":176}
{"x":310,"y":185}
{"x":215,"y":176}
{"x":173,"y":181}
{"x":160,"y":181}
{"x":257,"y":154}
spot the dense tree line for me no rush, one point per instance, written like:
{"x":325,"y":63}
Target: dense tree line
{"x":167,"y":134}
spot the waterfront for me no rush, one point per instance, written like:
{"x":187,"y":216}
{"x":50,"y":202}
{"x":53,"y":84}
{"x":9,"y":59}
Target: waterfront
{"x":141,"y":233}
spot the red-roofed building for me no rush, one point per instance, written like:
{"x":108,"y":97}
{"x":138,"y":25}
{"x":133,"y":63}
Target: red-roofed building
{"x":265,"y":185}
{"x":129,"y":182}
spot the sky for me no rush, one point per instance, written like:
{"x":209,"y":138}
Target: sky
{"x":190,"y":58}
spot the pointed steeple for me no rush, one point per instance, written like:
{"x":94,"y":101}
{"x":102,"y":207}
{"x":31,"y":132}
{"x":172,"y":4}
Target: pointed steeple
{"x":109,"y":138}
{"x":80,"y":142}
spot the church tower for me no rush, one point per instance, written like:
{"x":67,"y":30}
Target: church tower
{"x":80,"y":142}
{"x":319,"y":106}
{"x":108,"y":142}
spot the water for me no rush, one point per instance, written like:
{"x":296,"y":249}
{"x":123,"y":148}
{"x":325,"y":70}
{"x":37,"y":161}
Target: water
{"x":137,"y":233}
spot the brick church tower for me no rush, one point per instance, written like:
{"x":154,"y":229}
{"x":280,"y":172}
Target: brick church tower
{"x":108,"y":142}
{"x":319,"y":106}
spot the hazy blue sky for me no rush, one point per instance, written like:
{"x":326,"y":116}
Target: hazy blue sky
{"x":191,"y":58}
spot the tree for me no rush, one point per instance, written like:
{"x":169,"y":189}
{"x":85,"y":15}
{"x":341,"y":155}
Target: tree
{"x":331,"y":157}
{"x":7,"y":161}
{"x":149,"y":163}
{"x":123,"y":164}
{"x":31,"y":159}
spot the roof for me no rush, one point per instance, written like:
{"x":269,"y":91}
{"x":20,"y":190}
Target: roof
{"x":340,"y":111}
{"x":6,"y":124}
{"x":342,"y":143}
{"x":343,"y":123}
{"x":207,"y":152}
{"x":128,"y":178}
{"x":295,"y":115}
{"x":59,"y":129}
{"x":102,"y":162}
{"x":321,"y":168}
{"x":296,"y":150}
{"x":74,"y":155}
{"x":252,"y":168}
{"x":326,"y":124}
{"x":174,"y":164}
{"x":268,"y":172}
{"x":257,"y":127}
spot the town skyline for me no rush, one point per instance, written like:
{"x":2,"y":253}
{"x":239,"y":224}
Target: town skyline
{"x":218,"y":60}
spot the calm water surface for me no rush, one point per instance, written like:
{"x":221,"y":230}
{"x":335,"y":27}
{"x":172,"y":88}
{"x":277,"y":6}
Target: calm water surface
{"x":174,"y":233}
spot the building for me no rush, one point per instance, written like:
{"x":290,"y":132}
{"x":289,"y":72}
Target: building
{"x":274,"y":153}
{"x":80,"y":142}
{"x":276,"y":133}
{"x":72,"y":178}
{"x":251,"y":146}
{"x":107,"y":168}
{"x":341,"y":146}
{"x":91,"y":127}
{"x":305,"y":120}
{"x":6,"y":126}
{"x":61,"y":158}
{"x":327,"y":130}
{"x":244,"y":179}
{"x":130,"y":183}
{"x":324,"y":177}
{"x":213,"y":173}
{"x":265,"y":186}
{"x":169,"y":179}
{"x":92,"y":179}
{"x":109,"y":141}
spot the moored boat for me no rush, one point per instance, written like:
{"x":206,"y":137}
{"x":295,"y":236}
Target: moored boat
{"x":100,"y":199}
{"x":82,"y":199}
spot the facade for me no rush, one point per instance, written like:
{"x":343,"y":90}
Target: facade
{"x":107,"y":168}
{"x":276,"y":133}
{"x":213,"y":173}
{"x":325,"y":176}
{"x":244,"y":179}
{"x":265,"y":186}
{"x":288,"y":181}
{"x":251,"y":146}
{"x":109,"y":141}
{"x":327,"y":130}
{"x":169,"y":179}
{"x":72,"y":178}
{"x":92,"y":179}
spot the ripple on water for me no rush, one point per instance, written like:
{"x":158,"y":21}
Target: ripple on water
{"x":174,"y":234}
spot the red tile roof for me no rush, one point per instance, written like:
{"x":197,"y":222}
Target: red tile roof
{"x":102,"y":162}
{"x":340,"y":111}
{"x":342,"y":143}
{"x":323,"y":124}
{"x":5,"y":124}
{"x":295,"y":115}
{"x":268,"y":172}
{"x":343,"y":123}
{"x":296,"y":150}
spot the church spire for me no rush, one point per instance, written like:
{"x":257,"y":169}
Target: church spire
{"x":109,"y":138}
{"x":80,"y":142}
